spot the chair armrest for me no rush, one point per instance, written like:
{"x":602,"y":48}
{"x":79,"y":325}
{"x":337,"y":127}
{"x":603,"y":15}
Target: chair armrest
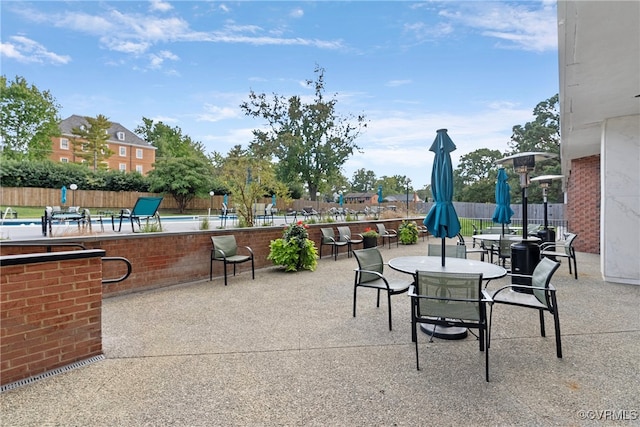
{"x":214,"y":252}
{"x":374,"y":273}
{"x":249,"y":249}
{"x":524,"y":287}
{"x":412,"y":291}
{"x":486,"y":298}
{"x":557,"y":243}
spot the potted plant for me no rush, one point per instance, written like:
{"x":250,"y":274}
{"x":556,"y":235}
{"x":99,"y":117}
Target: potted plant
{"x":295,"y":251}
{"x":408,"y":233}
{"x":369,"y":238}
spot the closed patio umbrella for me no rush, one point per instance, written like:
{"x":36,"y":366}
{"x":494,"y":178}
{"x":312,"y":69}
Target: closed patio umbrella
{"x":63,"y":195}
{"x":502,"y":214}
{"x":442,"y":219}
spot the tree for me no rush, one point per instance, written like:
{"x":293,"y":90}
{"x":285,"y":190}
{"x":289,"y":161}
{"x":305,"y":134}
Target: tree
{"x":169,"y":141}
{"x":396,"y":184}
{"x":474,"y":180}
{"x":91,"y":142}
{"x":28,"y":120}
{"x":249,"y":178}
{"x":311,"y":141}
{"x":363,"y":181}
{"x":184,"y":178}
{"x":542,"y":134}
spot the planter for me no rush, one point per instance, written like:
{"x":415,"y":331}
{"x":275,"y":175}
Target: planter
{"x":369,"y":242}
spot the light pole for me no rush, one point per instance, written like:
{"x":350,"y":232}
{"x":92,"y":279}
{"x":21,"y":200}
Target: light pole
{"x":318,"y":200}
{"x":73,"y":188}
{"x":211,"y":193}
{"x":408,"y":182}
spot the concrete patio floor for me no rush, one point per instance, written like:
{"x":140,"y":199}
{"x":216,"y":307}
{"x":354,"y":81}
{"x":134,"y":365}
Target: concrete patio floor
{"x":284,"y":349}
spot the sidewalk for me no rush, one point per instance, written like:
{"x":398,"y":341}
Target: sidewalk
{"x":284,"y":349}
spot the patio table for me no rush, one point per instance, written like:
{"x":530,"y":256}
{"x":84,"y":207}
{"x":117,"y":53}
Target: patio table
{"x":433,"y":264}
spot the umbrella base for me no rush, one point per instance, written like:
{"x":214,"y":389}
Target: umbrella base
{"x":444,"y":332}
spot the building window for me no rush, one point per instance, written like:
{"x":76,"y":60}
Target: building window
{"x":139,"y":168}
{"x":123,"y":167}
{"x":120,"y":136}
{"x":64,"y":144}
{"x":138,"y":153}
{"x":123,"y":151}
{"x":64,"y":160}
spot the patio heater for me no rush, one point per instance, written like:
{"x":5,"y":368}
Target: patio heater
{"x":545,"y":182}
{"x":525,"y":254}
{"x":523,"y":163}
{"x":211,"y":193}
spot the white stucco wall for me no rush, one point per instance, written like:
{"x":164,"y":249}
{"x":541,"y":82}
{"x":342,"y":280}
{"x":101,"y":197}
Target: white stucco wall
{"x":620,"y":209}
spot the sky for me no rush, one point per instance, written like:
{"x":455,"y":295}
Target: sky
{"x":476,"y":68}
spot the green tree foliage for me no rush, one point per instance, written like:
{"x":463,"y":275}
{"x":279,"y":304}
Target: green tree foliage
{"x":474,"y":179}
{"x":48,"y":174}
{"x":169,"y":141}
{"x":475,"y":176}
{"x":311,"y":141}
{"x":28,"y":120}
{"x":249,"y":178}
{"x":183,"y":178}
{"x":364,"y":181}
{"x":91,"y":142}
{"x":396,"y":184}
{"x":541,"y":134}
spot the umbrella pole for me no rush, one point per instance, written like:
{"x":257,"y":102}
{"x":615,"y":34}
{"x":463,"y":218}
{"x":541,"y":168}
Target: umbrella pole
{"x":442,"y":251}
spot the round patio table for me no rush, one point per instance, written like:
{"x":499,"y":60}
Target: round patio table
{"x":433,"y":264}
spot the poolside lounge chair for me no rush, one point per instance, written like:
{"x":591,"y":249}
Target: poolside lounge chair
{"x":145,"y":208}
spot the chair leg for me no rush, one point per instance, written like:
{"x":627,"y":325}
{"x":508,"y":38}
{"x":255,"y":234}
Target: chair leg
{"x":389,"y":304}
{"x":417,"y":358}
{"x":542,"y":331}
{"x":211,"y":270}
{"x":355,"y":291}
{"x":253,"y":270}
{"x":378,"y":300}
{"x":575,"y":266}
{"x":486,"y":360}
{"x":225,"y":273}
{"x":556,"y":323}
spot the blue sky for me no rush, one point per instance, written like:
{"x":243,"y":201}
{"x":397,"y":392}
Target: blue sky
{"x":476,"y":68}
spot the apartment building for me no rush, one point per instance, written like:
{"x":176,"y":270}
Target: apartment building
{"x":130,"y":152}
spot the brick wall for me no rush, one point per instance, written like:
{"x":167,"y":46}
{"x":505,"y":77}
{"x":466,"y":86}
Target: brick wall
{"x":50,"y":311}
{"x":164,"y":259}
{"x":583,"y":203}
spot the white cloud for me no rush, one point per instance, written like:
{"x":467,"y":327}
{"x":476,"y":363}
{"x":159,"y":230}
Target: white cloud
{"x":296,"y":13}
{"x":528,"y":26}
{"x":157,"y":59}
{"x":396,"y":83}
{"x":160,"y":6}
{"x":214,"y":113}
{"x":25,"y":50}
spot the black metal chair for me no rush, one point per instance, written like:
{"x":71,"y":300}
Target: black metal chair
{"x":547,"y":250}
{"x":388,"y":234}
{"x":450,"y":299}
{"x":329,"y":239}
{"x":369,"y":274}
{"x":345,"y":235}
{"x":225,"y":249}
{"x":540,"y":295}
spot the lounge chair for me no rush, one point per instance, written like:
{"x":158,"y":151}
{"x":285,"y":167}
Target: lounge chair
{"x":145,"y":208}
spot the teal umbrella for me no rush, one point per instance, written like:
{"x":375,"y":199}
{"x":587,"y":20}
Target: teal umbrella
{"x":63,"y":195}
{"x":341,"y":200}
{"x":442,"y":220}
{"x":502,"y":214}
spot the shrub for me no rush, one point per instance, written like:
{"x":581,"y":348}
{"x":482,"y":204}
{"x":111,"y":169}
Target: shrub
{"x":408,"y":232}
{"x":294,"y":251}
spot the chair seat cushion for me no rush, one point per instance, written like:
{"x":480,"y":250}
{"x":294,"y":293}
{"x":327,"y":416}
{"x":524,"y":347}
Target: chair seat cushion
{"x":554,"y":253}
{"x":395,"y":286}
{"x":235,"y":258}
{"x":517,"y":298}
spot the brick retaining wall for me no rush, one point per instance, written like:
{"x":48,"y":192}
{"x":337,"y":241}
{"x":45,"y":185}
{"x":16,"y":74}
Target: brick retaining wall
{"x":50,"y":311}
